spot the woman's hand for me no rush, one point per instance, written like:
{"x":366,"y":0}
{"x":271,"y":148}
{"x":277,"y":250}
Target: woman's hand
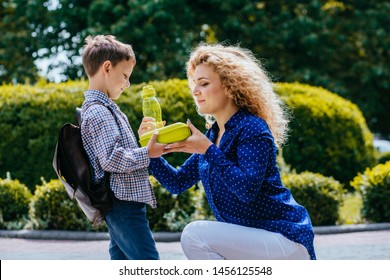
{"x":197,"y":143}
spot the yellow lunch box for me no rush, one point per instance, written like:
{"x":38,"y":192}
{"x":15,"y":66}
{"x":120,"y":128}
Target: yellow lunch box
{"x":168,"y":134}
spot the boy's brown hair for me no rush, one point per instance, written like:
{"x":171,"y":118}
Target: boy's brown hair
{"x":100,"y":48}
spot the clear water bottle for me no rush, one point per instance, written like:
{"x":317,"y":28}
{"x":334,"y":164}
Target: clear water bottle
{"x":151,"y":106}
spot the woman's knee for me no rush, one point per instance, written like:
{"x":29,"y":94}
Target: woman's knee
{"x":189,"y":232}
{"x":196,"y":230}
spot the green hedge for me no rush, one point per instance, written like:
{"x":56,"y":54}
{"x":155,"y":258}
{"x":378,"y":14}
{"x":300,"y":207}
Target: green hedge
{"x":320,"y":195}
{"x":383,"y":157}
{"x":329,"y":134}
{"x":30,"y":120}
{"x":374,"y":185}
{"x":174,"y":212}
{"x":51,"y":208}
{"x":31,"y":117}
{"x":14,"y":200}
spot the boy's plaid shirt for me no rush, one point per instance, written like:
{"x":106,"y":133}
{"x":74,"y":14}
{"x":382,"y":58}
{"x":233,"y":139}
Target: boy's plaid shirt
{"x":112,"y":146}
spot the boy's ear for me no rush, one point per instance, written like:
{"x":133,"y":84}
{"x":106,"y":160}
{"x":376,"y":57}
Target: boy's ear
{"x":106,"y":67}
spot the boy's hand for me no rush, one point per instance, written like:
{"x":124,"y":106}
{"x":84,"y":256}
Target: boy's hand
{"x":155,"y":149}
{"x":147,"y":124}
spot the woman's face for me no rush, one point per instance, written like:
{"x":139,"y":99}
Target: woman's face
{"x":208,"y":92}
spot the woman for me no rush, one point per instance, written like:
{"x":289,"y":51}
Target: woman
{"x":257,"y":217}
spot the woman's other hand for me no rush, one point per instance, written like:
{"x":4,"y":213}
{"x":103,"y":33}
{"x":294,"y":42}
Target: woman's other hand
{"x":197,"y":143}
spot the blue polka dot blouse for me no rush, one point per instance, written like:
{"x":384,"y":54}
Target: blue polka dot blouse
{"x":241,"y":180}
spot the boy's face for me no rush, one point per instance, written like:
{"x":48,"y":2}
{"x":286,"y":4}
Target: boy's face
{"x":117,"y":77}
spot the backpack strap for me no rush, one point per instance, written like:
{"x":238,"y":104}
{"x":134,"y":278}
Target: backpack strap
{"x":106,"y":177}
{"x":78,"y":112}
{"x":78,"y":116}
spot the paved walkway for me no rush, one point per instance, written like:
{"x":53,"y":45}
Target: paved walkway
{"x":357,"y":242}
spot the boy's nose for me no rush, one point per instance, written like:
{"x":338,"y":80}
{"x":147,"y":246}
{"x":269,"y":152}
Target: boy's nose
{"x":127,"y":84}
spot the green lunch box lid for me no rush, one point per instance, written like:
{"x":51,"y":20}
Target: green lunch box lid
{"x":168,"y":134}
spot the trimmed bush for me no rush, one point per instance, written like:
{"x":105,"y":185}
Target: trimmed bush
{"x":329,"y":134}
{"x":320,"y":195}
{"x":14,"y":200}
{"x":51,"y":208}
{"x":383,"y":157}
{"x":30,"y":119}
{"x":351,"y":208}
{"x":374,"y":185}
{"x":173,"y":212}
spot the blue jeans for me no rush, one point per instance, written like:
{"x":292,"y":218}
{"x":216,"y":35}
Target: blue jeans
{"x":130,"y":234}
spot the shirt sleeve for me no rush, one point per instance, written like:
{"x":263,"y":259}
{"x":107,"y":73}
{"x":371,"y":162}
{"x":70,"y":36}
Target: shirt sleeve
{"x":106,"y":142}
{"x":245,"y":176}
{"x":175,"y":180}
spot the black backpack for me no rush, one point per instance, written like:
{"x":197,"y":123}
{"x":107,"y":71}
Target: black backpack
{"x":74,"y":170}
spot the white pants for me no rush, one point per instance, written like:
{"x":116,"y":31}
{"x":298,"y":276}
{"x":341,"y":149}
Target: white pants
{"x":210,"y":240}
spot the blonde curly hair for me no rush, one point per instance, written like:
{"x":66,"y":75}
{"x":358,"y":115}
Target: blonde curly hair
{"x":245,"y":81}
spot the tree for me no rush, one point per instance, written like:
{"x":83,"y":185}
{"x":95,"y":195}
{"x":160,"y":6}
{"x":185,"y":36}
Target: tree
{"x":16,"y":45}
{"x":343,"y":46}
{"x":160,"y":32}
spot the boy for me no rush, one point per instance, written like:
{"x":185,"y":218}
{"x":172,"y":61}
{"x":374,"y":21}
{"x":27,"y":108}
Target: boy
{"x":112,"y":147}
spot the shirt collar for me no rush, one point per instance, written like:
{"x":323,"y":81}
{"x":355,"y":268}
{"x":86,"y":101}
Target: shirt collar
{"x":97,"y":95}
{"x":236,"y":118}
{"x":233,"y":121}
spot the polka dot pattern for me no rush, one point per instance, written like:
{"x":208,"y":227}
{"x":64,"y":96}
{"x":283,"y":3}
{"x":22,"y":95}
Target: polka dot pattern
{"x":242,"y":181}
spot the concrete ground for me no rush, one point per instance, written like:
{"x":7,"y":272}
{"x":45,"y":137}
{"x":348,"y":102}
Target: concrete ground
{"x":359,"y":242}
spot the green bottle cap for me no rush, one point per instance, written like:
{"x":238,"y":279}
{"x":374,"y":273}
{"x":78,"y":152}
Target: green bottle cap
{"x":148,"y":91}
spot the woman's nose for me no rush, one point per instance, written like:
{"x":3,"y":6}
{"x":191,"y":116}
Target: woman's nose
{"x":127,"y":84}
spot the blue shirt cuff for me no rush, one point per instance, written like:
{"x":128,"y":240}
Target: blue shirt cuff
{"x":212,"y":153}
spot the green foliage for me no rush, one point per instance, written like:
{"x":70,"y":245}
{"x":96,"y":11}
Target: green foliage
{"x":383,"y":157}
{"x":374,"y":185}
{"x":340,"y":45}
{"x":174,"y":212}
{"x":30,"y":120}
{"x":51,"y":208}
{"x":31,"y":117}
{"x":350,"y":210}
{"x":320,"y":195}
{"x":160,"y":32}
{"x":14,"y":201}
{"x":328,"y":134}
{"x":17,"y":45}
